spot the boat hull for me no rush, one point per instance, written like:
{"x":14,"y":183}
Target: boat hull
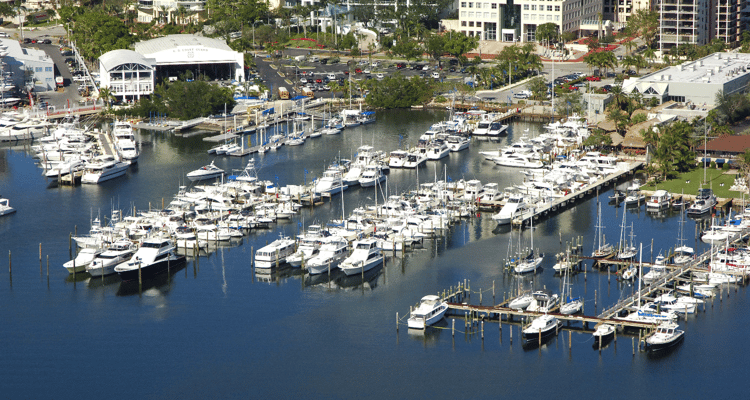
{"x":664,"y":345}
{"x":353,"y":269}
{"x":151,"y":270}
{"x":533,"y":337}
{"x":417,"y":322}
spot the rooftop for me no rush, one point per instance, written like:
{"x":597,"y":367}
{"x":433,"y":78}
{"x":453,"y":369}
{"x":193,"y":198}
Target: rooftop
{"x":716,"y":68}
{"x":174,"y":41}
{"x":728,"y":144}
{"x":114,"y":58}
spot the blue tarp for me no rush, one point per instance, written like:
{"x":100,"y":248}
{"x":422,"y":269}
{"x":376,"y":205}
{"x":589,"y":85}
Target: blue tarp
{"x":269,"y":111}
{"x":368,"y":112}
{"x":246,"y":98}
{"x":299,"y":97}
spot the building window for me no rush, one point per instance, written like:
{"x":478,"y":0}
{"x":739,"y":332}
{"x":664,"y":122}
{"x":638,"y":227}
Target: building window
{"x":557,"y":17}
{"x":463,"y":14}
{"x":549,"y":18}
{"x":471,"y":5}
{"x":526,"y":7}
{"x":490,"y":31}
{"x":486,"y":15}
{"x":533,"y":7}
{"x":471,"y":24}
{"x":557,"y":8}
{"x":463,"y":23}
{"x":494,"y":16}
{"x":47,"y":69}
{"x":549,"y":8}
{"x":463,"y":4}
{"x":494,"y":6}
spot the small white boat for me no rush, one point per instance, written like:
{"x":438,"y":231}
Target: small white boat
{"x":666,"y":336}
{"x":155,"y":256}
{"x":540,"y":328}
{"x":372,"y":175}
{"x":521,"y":302}
{"x":629,"y":273}
{"x":659,"y":200}
{"x":458,"y":142}
{"x":332,"y":251}
{"x":82,"y":260}
{"x":366,"y":255}
{"x":603,"y":333}
{"x":209,"y":171}
{"x":431,"y":309}
{"x":5,"y":207}
{"x":572,"y":306}
{"x":397,"y":158}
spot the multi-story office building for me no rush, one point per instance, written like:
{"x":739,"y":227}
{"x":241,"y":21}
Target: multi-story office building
{"x":682,"y":22}
{"x":498,"y":20}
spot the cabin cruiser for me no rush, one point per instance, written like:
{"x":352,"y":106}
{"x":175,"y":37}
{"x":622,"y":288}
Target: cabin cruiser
{"x":543,"y":301}
{"x":153,"y":257}
{"x":496,"y":129}
{"x":540,"y":328}
{"x":209,"y":171}
{"x":457,"y":142}
{"x":603,"y":333}
{"x":332,"y":251}
{"x":430,"y":310}
{"x":518,"y":160}
{"x":659,"y":200}
{"x":331,"y":182}
{"x":658,"y":269}
{"x":666,"y":336}
{"x":102,"y":169}
{"x":5,"y":207}
{"x":117,"y":253}
{"x":366,"y":255}
{"x":705,"y":201}
{"x":306,"y":249}
{"x":514,"y":207}
{"x":397,"y":158}
{"x":416,"y":157}
{"x":274,"y":253}
{"x":83,"y":259}
{"x":437,"y":150}
{"x":680,"y":305}
{"x":521,"y":302}
{"x":482,"y":129}
{"x":64,"y":168}
{"x":634,"y":197}
{"x":372,"y":175}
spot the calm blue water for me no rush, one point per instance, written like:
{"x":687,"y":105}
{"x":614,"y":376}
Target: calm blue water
{"x":214,"y":330}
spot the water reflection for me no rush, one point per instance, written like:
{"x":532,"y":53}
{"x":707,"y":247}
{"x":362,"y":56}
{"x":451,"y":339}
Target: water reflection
{"x":160,"y":284}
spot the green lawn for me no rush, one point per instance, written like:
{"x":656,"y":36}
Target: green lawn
{"x":690,"y":182}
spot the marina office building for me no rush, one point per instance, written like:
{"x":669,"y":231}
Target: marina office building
{"x":131,"y":74}
{"x":695,"y":82}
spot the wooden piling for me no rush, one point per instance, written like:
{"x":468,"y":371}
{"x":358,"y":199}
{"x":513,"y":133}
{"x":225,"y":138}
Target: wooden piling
{"x":10,"y":265}
{"x":40,"y":259}
{"x":396,"y":321}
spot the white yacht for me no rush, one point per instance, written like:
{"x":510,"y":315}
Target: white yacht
{"x":155,"y":255}
{"x":209,"y":171}
{"x":102,"y":169}
{"x":658,"y":269}
{"x":603,"y":333}
{"x":659,"y":200}
{"x":117,"y":253}
{"x":416,"y":158}
{"x":83,"y":259}
{"x":541,"y":327}
{"x":125,"y":140}
{"x":430,"y":310}
{"x":5,"y":207}
{"x":518,"y":160}
{"x":366,"y":255}
{"x":307,"y":248}
{"x":705,"y":201}
{"x":372,"y":175}
{"x":514,"y":207}
{"x":496,"y":129}
{"x":458,"y":142}
{"x":437,"y":150}
{"x":666,"y":336}
{"x":332,"y":251}
{"x":482,"y":129}
{"x":331,"y":182}
{"x":397,"y":158}
{"x":543,"y":301}
{"x":276,"y":251}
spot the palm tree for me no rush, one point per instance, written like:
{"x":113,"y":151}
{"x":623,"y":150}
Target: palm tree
{"x":650,"y":55}
{"x":21,"y":13}
{"x":744,"y":162}
{"x":106,"y":95}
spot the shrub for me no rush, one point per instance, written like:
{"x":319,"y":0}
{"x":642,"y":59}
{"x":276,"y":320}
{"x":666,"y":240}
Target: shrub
{"x":440,"y":99}
{"x":713,"y":164}
{"x":725,"y":166}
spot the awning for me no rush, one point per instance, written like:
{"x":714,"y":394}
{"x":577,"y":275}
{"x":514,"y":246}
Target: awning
{"x":705,"y":160}
{"x":299,"y":97}
{"x":720,"y":161}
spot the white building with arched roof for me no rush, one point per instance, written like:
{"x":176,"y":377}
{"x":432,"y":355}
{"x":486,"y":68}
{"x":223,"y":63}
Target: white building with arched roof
{"x":177,"y":54}
{"x":127,"y":74}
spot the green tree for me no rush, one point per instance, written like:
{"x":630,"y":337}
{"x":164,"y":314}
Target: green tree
{"x":547,"y":33}
{"x":619,"y":118}
{"x":397,"y":91}
{"x":435,"y":46}
{"x":538,"y":87}
{"x":644,"y":23}
{"x":409,"y":49}
{"x":458,"y":44}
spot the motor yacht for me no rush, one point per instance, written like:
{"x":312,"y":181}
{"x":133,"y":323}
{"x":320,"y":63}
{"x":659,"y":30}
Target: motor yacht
{"x":366,"y":255}
{"x":274,"y":253}
{"x":332,"y":251}
{"x":155,"y":256}
{"x":457,"y":142}
{"x":102,"y":169}
{"x":117,"y":253}
{"x":705,"y":201}
{"x":331,"y":182}
{"x":541,"y":328}
{"x":666,"y":336}
{"x":430,"y":310}
{"x":372,"y":175}
{"x":397,"y":158}
{"x":5,"y":207}
{"x":209,"y":171}
{"x":83,"y":259}
{"x":659,"y":200}
{"x":437,"y":150}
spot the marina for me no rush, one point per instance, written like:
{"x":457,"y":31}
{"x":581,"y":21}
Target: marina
{"x":218,"y":286}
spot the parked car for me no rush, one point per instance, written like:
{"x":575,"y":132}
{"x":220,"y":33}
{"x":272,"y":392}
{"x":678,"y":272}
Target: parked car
{"x":593,"y":78}
{"x":346,"y":72}
{"x":358,"y":71}
{"x":379,"y":76}
{"x":331,"y":76}
{"x":366,"y":70}
{"x":436,"y":75}
{"x":319,"y":80}
{"x":452,"y":69}
{"x":400,"y":66}
{"x":426,"y":68}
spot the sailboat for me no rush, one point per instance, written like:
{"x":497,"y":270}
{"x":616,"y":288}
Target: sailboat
{"x":570,"y":305}
{"x":601,"y":249}
{"x":627,"y":252}
{"x":532,"y":261}
{"x":683,"y":254}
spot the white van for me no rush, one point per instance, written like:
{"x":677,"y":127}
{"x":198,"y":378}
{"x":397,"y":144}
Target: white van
{"x":331,"y":77}
{"x":313,"y":59}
